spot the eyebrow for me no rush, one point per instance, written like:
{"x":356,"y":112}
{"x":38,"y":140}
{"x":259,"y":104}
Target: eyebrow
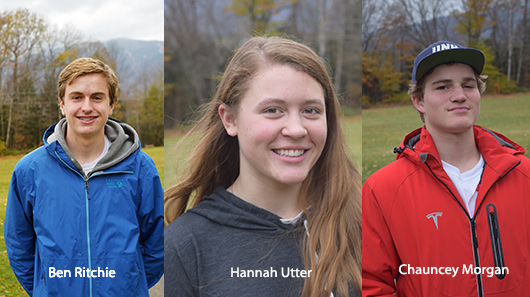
{"x":444,"y":81}
{"x":278,"y":101}
{"x":81,"y":93}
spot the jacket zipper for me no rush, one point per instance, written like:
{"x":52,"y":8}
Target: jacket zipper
{"x":473,"y":227}
{"x":87,"y":196}
{"x":87,"y":207}
{"x":86,"y":178}
{"x":476,"y":256}
{"x":474,"y":238}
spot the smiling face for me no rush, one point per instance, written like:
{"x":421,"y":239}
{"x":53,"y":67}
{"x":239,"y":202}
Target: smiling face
{"x":451,"y":100}
{"x":86,"y":105}
{"x":280,"y":124}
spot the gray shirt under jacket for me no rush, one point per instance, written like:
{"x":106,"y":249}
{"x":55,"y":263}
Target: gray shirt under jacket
{"x":228,"y":247}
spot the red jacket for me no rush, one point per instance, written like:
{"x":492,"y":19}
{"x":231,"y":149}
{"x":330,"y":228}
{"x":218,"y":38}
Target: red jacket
{"x":414,"y":216}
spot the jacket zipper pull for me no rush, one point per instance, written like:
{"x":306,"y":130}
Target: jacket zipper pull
{"x":474,"y":226}
{"x":86,"y":188}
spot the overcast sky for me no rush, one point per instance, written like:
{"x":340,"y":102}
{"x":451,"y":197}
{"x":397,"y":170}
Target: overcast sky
{"x":100,"y":19}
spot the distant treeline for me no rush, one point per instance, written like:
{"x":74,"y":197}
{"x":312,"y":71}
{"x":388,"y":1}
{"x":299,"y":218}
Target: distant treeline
{"x":394,"y":32}
{"x":201,"y":35}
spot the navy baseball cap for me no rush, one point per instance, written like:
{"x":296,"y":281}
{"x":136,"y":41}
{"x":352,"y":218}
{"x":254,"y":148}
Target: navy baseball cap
{"x":442,"y":52}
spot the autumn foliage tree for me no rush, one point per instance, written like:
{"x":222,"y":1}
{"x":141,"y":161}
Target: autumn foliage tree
{"x":20,"y":33}
{"x":381,"y":83}
{"x":260,"y":13}
{"x":472,"y":21}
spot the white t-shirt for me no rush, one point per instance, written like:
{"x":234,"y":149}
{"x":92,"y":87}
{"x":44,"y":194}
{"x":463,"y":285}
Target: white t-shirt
{"x":292,"y":221}
{"x":89,"y":166}
{"x":466,"y":183}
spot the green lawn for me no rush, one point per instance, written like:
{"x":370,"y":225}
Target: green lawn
{"x":176,"y":156}
{"x":9,"y":285}
{"x":385,"y":128}
{"x":352,"y":129}
{"x":157,"y":154}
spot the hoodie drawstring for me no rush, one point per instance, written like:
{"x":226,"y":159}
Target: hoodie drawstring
{"x":316,"y":256}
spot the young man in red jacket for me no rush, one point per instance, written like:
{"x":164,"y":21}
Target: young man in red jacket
{"x":451,"y":216}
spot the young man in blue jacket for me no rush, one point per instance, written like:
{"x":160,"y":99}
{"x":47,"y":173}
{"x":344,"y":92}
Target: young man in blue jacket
{"x":84,"y":214}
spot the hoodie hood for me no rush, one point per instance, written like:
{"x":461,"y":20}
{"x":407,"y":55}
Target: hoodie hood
{"x":124,"y":142}
{"x":224,"y":208}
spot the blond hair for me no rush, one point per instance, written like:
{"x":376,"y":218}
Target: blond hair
{"x":83,"y":66}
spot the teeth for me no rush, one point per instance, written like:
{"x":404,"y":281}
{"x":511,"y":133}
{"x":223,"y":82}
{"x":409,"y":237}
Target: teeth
{"x":86,"y":119}
{"x":290,"y":153}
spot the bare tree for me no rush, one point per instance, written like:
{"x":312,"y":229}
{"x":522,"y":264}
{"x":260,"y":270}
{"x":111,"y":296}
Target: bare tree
{"x":3,"y":62}
{"x":428,"y":20}
{"x":199,"y":37}
{"x":376,"y":21}
{"x":511,"y":11}
{"x":522,"y":45}
{"x":324,"y":6}
{"x":119,"y":57}
{"x":21,"y":32}
{"x":69,"y":36}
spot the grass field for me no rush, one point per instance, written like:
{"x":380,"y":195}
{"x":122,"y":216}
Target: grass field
{"x":385,"y":128}
{"x":176,"y":156}
{"x":9,"y":285}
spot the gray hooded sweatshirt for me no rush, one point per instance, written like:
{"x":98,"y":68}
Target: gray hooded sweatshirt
{"x":228,"y":247}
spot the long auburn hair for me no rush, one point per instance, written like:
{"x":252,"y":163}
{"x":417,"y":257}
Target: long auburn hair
{"x":331,"y":193}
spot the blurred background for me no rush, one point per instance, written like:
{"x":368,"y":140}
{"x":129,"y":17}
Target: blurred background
{"x":202,"y":35}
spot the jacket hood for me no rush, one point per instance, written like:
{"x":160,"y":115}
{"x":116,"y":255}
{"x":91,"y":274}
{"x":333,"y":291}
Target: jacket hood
{"x":418,"y":146}
{"x":124,"y":142}
{"x":226,"y":209}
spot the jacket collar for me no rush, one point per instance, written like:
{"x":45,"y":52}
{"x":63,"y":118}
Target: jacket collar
{"x":492,"y":145}
{"x":500,"y":154}
{"x":124,"y":139}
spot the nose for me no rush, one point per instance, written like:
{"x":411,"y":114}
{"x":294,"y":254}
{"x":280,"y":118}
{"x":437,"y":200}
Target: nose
{"x":458,"y":94}
{"x":87,"y":106}
{"x":294,"y":127}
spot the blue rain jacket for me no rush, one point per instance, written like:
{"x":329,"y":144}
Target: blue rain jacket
{"x":69,"y":234}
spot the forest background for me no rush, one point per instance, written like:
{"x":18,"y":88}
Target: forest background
{"x":33,"y":52}
{"x":394,"y":32}
{"x":201,"y":36}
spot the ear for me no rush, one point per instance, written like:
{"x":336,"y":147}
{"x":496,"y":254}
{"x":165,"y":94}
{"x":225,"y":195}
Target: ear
{"x":229,"y":119}
{"x":111,"y":109}
{"x":61,"y":105}
{"x":418,"y":103}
